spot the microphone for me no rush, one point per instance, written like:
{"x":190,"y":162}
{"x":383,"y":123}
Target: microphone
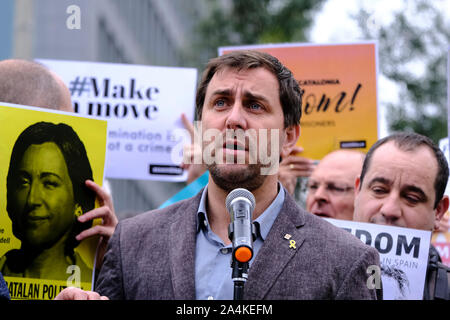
{"x":240,"y":204}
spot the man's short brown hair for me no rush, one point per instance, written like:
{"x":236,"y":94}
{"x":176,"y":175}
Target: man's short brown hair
{"x":290,"y":92}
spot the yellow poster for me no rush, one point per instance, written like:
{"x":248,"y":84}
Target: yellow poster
{"x":45,"y":159}
{"x":339,"y":107}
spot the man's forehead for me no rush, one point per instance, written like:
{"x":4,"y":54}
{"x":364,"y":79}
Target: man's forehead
{"x":417,"y":166}
{"x":254,"y":83}
{"x":232,"y":74}
{"x":339,"y":165}
{"x":391,"y":154}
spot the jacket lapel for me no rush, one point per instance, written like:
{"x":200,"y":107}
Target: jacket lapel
{"x":277,"y":251}
{"x":182,"y":241}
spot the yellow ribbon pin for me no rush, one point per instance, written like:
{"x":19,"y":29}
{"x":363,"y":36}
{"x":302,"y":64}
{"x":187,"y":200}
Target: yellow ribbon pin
{"x":292,"y":244}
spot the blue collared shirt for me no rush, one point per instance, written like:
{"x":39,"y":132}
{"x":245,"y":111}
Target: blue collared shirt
{"x":213,"y":257}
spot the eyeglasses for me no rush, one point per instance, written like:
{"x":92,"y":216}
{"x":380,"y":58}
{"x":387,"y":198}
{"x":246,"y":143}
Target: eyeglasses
{"x":331,"y":187}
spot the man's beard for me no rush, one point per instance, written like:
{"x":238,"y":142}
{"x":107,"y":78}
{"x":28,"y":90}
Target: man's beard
{"x":248,"y":177}
{"x":248,"y":168}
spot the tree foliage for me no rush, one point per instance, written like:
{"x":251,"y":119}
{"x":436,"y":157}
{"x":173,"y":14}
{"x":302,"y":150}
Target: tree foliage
{"x":244,"y":22}
{"x":413,"y":49}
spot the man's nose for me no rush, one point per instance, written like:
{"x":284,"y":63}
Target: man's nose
{"x":321,"y":193}
{"x":391,"y":208}
{"x":236,"y":118}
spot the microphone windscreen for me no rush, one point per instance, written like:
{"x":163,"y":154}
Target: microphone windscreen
{"x":239,"y":192}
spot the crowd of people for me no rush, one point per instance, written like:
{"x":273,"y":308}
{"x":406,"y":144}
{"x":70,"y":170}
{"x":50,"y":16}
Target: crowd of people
{"x":183,"y":251}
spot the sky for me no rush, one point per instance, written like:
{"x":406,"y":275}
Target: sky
{"x":334,"y":24}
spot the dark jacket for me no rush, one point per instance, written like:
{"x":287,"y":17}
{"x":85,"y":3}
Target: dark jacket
{"x":437,"y":284}
{"x":152,"y":256}
{"x":4,"y":292}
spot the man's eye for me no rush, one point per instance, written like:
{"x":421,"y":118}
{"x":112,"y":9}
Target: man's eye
{"x":220,"y":103}
{"x":333,"y":187}
{"x":312,"y":187}
{"x":412,"y":199}
{"x":255,"y":106}
{"x":379,"y":190}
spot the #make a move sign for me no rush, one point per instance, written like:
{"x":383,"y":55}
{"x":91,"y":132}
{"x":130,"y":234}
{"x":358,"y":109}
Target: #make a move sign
{"x":143,"y":107}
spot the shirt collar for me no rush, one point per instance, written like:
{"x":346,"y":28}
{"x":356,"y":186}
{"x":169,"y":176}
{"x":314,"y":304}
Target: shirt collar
{"x":263,"y":223}
{"x":202,"y":218}
{"x":267,"y":218}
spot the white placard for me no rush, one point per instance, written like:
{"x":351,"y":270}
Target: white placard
{"x":143,"y":106}
{"x":403,"y":256}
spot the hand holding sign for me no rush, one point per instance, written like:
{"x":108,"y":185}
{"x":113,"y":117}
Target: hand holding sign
{"x":104,"y":212}
{"x":195,"y":170}
{"x":294,"y":166}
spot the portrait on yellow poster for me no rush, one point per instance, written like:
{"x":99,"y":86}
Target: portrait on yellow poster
{"x":45,"y":159}
{"x":339,"y":107}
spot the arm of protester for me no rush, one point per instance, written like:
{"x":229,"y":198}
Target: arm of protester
{"x":195,"y":170}
{"x":294,"y":166}
{"x":104,"y":212}
{"x":72,"y":293}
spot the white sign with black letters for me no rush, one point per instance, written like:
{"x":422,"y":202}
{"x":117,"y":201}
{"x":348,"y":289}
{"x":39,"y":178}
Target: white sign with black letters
{"x":143,"y":106}
{"x":403,"y":256}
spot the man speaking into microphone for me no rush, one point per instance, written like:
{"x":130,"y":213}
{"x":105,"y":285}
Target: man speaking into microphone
{"x":184,"y":251}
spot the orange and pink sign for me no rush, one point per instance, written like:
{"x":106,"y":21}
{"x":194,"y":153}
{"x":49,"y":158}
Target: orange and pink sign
{"x":339,"y":107}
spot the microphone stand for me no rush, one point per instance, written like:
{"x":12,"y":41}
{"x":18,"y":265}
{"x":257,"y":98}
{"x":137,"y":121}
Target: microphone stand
{"x":239,"y":274}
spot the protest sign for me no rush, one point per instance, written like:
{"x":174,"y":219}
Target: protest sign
{"x":143,"y":106}
{"x":45,"y":158}
{"x":441,"y":241}
{"x":339,"y":107}
{"x":403,"y":256}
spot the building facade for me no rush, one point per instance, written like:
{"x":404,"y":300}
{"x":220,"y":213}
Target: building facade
{"x":147,"y":32}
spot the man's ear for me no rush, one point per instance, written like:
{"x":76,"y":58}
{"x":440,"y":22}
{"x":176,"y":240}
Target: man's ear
{"x":357,"y":184}
{"x":292,"y":133}
{"x":440,"y":210}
